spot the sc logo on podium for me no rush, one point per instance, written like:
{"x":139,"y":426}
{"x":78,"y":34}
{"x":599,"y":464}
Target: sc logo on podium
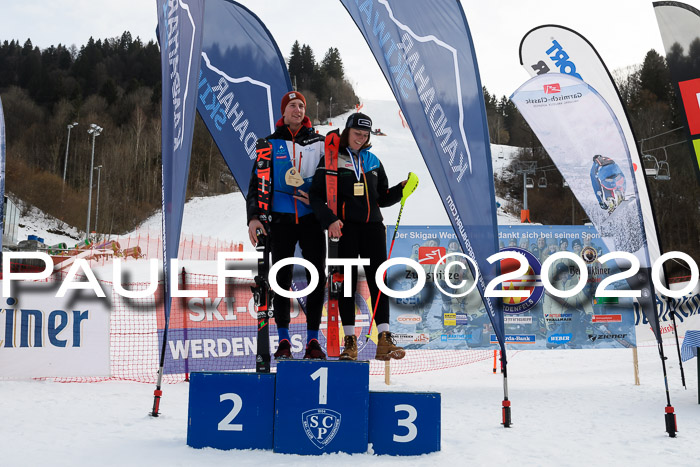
{"x":321,"y":406}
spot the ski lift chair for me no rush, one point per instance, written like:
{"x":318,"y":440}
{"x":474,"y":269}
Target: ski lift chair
{"x":651,"y":165}
{"x":664,"y":171}
{"x":542,"y":182}
{"x":529,"y":183}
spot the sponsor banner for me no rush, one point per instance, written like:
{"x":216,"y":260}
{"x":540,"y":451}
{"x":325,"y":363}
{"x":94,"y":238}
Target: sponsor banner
{"x":242,"y":79}
{"x":607,"y":318}
{"x":45,"y":336}
{"x":690,"y":90}
{"x":462,"y":322}
{"x":516,"y":339}
{"x":180,"y":39}
{"x":517,"y":319}
{"x":686,"y":309}
{"x":557,"y":49}
{"x":585,"y":141}
{"x":427,"y":56}
{"x":2,"y":171}
{"x":410,"y":338}
{"x":220,"y":333}
{"x":679,"y":24}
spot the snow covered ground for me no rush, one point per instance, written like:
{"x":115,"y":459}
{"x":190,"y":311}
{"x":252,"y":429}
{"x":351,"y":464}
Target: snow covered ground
{"x":575,"y":407}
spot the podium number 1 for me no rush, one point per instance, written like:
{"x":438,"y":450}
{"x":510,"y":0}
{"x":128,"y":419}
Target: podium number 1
{"x":321,"y":373}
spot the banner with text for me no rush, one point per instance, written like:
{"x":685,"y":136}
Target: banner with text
{"x":2,"y":172}
{"x":242,"y":80}
{"x":584,"y":139}
{"x":433,"y":320}
{"x":220,"y":334}
{"x":425,"y":51}
{"x":557,"y":49}
{"x":43,"y":336}
{"x":180,"y":39}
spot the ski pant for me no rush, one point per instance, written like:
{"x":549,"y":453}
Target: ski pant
{"x":312,"y":242}
{"x":366,"y":241}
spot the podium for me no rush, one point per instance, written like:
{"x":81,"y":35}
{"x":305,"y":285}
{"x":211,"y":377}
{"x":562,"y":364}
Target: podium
{"x":404,"y":423}
{"x":321,"y":406}
{"x":310,"y":407}
{"x":231,"y":410}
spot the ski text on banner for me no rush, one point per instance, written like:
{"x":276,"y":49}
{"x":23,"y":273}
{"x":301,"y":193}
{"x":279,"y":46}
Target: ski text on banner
{"x":426,"y":54}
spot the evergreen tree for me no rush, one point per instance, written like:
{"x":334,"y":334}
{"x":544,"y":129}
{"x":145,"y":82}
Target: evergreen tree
{"x":654,"y":76}
{"x":294,"y":64}
{"x":332,"y":65}
{"x":308,"y":68}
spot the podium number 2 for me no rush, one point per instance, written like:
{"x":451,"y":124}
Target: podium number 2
{"x":321,"y":373}
{"x":407,"y":422}
{"x":225,"y":424}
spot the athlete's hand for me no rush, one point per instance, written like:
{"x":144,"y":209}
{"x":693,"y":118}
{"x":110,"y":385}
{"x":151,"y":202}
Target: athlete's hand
{"x":253,"y":226}
{"x":302,"y":196}
{"x":334,"y":230}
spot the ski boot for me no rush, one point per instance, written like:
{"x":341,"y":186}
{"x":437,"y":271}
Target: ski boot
{"x":350,"y":349}
{"x":387,"y":348}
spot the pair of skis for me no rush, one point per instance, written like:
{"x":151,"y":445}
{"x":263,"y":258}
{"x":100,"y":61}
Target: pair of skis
{"x":335,"y":273}
{"x":262,"y":293}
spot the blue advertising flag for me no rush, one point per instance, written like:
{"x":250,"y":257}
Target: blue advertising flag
{"x":426,"y":53}
{"x":2,"y":170}
{"x":242,"y":79}
{"x":180,"y":37}
{"x":583,"y":137}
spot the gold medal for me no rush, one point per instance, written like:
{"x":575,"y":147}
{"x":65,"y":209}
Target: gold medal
{"x":293,"y":178}
{"x":359,"y":189}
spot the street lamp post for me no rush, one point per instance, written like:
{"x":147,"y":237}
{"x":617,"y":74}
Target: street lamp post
{"x":65,"y":163}
{"x":97,"y":202}
{"x":317,"y":111}
{"x":330,"y":108}
{"x":95,"y":131}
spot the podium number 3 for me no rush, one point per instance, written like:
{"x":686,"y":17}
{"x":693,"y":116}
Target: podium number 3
{"x":321,"y":373}
{"x":407,"y":422}
{"x":225,"y":424}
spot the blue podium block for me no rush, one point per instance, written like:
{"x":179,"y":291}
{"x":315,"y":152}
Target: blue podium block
{"x":231,"y":410}
{"x":321,"y":406}
{"x":404,"y":423}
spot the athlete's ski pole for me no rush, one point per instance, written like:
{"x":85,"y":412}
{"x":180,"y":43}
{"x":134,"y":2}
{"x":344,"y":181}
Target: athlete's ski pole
{"x":410,"y":187}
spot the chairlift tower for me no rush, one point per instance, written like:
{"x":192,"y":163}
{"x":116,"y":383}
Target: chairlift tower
{"x":526,"y":168}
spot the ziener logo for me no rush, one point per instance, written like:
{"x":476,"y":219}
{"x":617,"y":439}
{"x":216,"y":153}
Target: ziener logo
{"x":552,"y":88}
{"x":320,"y":426}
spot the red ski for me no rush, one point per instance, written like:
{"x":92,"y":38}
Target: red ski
{"x":335,"y":273}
